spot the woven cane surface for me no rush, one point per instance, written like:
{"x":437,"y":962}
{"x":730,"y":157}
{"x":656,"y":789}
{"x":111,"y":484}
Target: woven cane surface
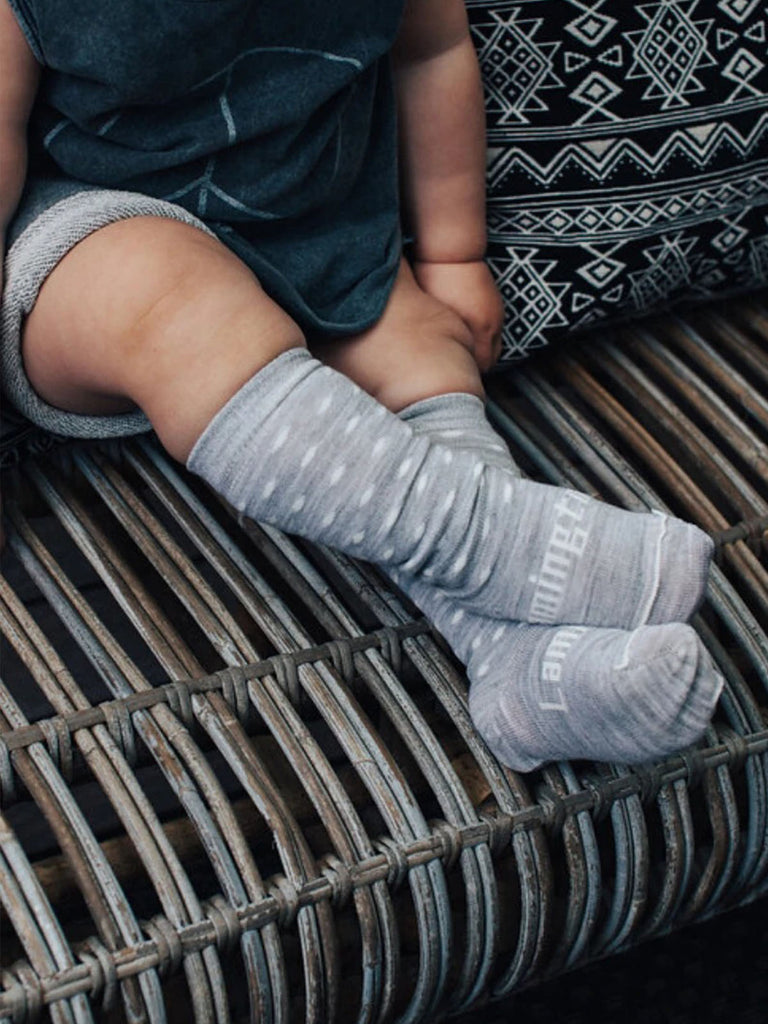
{"x":238,"y":777}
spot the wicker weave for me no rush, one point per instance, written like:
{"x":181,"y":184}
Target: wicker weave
{"x":238,"y":777}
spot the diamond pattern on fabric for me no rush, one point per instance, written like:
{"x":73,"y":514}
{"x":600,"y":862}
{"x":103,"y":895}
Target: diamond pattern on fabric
{"x":670,"y":51}
{"x":627,"y":156}
{"x":517,"y":68}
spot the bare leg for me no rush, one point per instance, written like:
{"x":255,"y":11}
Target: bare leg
{"x":153,"y":313}
{"x":156,"y":313}
{"x":419,"y":348}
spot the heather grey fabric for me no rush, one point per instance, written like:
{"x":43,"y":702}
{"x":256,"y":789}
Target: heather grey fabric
{"x":542,"y":693}
{"x":545,"y":693}
{"x":458,"y":421}
{"x":302,"y":447}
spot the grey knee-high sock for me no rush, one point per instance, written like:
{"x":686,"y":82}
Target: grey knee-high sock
{"x":302,"y":447}
{"x":458,"y":421}
{"x":542,"y":693}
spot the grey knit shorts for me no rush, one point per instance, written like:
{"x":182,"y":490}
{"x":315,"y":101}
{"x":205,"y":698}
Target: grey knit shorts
{"x":52,"y":217}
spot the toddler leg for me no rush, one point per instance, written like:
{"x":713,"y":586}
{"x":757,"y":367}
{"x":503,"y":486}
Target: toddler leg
{"x":303,"y":448}
{"x":156,"y":313}
{"x":416,"y":361}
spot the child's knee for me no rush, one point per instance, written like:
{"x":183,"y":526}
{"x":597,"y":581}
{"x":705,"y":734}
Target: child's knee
{"x":434,"y":358}
{"x":144,"y":286}
{"x":202,"y":328}
{"x":157,"y":312}
{"x":439,"y":364}
{"x":183,"y":287}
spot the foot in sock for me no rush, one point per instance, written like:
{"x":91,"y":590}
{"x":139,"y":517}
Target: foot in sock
{"x":545,"y":693}
{"x":459,"y":421}
{"x":302,"y":447}
{"x":534,"y":699}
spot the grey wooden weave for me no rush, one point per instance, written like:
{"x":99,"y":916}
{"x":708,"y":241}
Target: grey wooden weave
{"x":237,"y":774}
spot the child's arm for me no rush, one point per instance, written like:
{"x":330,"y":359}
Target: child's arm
{"x":442,"y":131}
{"x":18,"y":84}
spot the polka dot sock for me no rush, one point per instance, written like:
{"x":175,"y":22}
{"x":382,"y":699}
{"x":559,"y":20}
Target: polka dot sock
{"x":458,"y":421}
{"x":542,"y":693}
{"x":302,"y":447}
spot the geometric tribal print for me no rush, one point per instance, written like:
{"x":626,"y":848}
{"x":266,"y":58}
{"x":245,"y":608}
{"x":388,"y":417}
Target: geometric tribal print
{"x":627,"y":157}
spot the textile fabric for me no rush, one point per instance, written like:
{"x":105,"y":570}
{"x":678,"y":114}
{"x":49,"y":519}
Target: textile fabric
{"x":627,"y":160}
{"x":274,"y":123}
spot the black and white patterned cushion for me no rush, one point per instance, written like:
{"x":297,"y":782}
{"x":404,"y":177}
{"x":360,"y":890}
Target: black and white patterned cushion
{"x":628,"y":156}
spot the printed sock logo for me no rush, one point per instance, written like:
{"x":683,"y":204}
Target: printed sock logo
{"x":566,"y":545}
{"x":552,"y":666}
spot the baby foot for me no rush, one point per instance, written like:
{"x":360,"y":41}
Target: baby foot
{"x":542,"y":693}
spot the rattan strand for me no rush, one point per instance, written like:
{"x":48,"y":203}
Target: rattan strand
{"x":363,"y":857}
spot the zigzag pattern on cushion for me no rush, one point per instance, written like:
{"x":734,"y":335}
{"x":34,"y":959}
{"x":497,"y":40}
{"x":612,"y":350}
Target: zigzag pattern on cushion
{"x":627,"y":156}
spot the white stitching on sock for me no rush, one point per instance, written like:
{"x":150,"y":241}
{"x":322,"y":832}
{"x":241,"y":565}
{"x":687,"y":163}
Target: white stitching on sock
{"x":656,"y":579}
{"x":623,"y":661}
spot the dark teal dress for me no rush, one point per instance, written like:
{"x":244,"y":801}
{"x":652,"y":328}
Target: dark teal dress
{"x":271,"y":120}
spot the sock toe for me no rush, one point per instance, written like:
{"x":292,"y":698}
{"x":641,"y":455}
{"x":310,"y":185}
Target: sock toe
{"x":669,"y":686}
{"x":680,"y":593}
{"x":695,"y":685}
{"x":543,"y":694}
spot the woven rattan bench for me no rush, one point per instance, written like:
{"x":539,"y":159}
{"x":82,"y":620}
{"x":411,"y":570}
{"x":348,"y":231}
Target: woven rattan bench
{"x":238,"y":776}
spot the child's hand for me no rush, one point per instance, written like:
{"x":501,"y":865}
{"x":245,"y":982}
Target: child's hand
{"x":469,"y":289}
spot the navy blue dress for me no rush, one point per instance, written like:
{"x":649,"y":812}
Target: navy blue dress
{"x":271,"y":120}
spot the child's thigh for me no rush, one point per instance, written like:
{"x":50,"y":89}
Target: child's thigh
{"x":417,"y":349}
{"x":146,"y":311}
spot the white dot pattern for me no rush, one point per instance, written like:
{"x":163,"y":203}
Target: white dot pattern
{"x":308,"y":456}
{"x":280,"y":438}
{"x":282,"y":451}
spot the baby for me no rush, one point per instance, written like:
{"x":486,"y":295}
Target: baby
{"x":208,"y":243}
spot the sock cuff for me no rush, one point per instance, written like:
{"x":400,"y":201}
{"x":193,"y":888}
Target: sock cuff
{"x":458,"y":420}
{"x":449,"y":406}
{"x":253,"y":403}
